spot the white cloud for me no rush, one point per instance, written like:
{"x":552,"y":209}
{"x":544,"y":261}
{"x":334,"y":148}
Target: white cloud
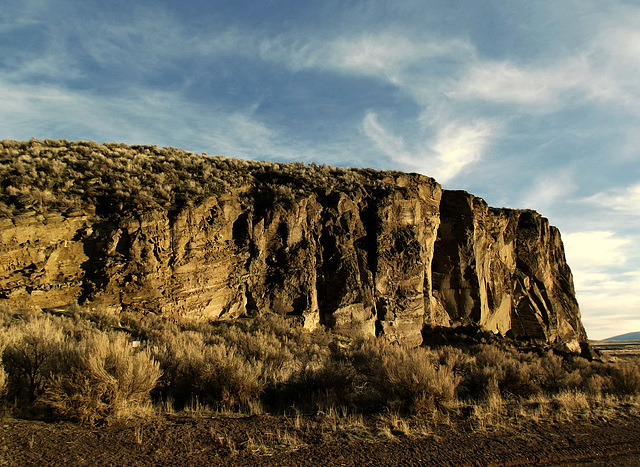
{"x":455,"y":147}
{"x":548,"y":189}
{"x":607,"y":293}
{"x":139,"y":116}
{"x":142,"y":116}
{"x":542,"y":87}
{"x":610,"y":305}
{"x":592,"y":250}
{"x":616,"y":50}
{"x":388,"y":143}
{"x":607,"y":70}
{"x":390,"y":55}
{"x":609,"y":321}
{"x":149,"y":40}
{"x":22,"y":13}
{"x":624,"y":200}
{"x":384,"y":54}
{"x":505,"y":82}
{"x":589,"y":280}
{"x":459,"y":145}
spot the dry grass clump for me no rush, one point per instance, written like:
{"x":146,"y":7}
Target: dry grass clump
{"x":570,"y":403}
{"x":100,"y":376}
{"x":81,"y":364}
{"x":405,"y":380}
{"x":496,"y":371}
{"x":212,"y":373}
{"x":31,"y":355}
{"x":84,"y":375}
{"x":624,"y":378}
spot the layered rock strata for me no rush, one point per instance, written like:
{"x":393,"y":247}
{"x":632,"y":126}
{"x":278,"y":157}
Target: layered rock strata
{"x":364,"y":252}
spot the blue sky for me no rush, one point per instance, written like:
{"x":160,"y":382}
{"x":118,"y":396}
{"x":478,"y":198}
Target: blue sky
{"x":528,"y":104}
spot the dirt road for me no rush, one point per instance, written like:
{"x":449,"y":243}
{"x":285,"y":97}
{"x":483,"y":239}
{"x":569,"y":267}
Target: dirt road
{"x":266,"y":440}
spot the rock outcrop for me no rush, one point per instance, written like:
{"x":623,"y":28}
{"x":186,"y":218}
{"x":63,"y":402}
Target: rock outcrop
{"x":359,"y":251}
{"x":504,"y":270}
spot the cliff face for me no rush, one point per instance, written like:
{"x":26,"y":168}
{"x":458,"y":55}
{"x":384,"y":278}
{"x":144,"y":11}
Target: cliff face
{"x":503,"y":269}
{"x":359,"y":251}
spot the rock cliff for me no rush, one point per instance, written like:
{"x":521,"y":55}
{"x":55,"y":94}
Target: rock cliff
{"x":356,"y":250}
{"x":504,"y":270}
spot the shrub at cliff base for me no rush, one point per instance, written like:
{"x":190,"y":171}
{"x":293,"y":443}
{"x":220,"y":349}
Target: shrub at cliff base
{"x":86,"y":375}
{"x":79,"y":366}
{"x":31,"y":355}
{"x":497,"y":372}
{"x":405,"y":380}
{"x":625,"y":378}
{"x":211,"y":373}
{"x":100,"y":376}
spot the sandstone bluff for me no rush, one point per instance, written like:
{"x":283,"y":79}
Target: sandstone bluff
{"x":152,"y":230}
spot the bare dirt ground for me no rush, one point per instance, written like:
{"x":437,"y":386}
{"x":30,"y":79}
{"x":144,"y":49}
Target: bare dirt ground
{"x":270,"y":440}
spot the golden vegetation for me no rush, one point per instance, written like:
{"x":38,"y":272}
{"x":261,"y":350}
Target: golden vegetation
{"x":86,"y":365}
{"x":71,"y":177}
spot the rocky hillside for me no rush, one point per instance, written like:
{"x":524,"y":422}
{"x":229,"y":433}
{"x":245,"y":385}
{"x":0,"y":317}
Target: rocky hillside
{"x":152,"y":230}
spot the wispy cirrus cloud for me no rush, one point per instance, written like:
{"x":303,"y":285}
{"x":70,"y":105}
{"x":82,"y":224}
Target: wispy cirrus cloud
{"x":505,"y":82}
{"x":454,"y":147}
{"x":155,"y":40}
{"x":20,"y":14}
{"x":605,"y":70}
{"x":625,"y":200}
{"x":459,"y":145}
{"x":163,"y":118}
{"x":138,"y":116}
{"x":548,"y":188}
{"x":541,"y":88}
{"x":385,"y":54}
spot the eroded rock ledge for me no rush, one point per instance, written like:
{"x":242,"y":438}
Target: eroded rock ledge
{"x":360,"y":251}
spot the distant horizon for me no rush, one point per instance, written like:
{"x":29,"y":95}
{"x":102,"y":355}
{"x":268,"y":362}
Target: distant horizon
{"x":632,"y":335}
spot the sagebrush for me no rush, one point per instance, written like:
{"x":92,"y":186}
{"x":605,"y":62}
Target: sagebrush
{"x":83,"y":366}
